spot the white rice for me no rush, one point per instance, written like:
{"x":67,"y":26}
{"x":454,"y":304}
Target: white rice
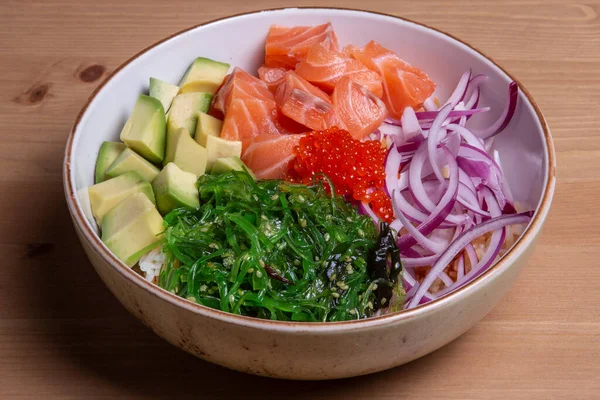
{"x":151,"y":263}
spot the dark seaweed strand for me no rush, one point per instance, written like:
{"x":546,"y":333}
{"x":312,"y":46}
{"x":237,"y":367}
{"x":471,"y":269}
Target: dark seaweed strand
{"x":271,"y":249}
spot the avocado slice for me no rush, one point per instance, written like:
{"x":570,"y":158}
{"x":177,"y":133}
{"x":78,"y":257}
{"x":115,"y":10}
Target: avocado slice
{"x":184,"y":111}
{"x":204,"y":75}
{"x":217,"y":147}
{"x":131,"y":226}
{"x":109,"y":151}
{"x":145,"y":130}
{"x":163,"y":91}
{"x":207,"y":126}
{"x":106,"y":195}
{"x":185,"y":152}
{"x":129,"y":160}
{"x":175,"y":188}
{"x":226,"y":164}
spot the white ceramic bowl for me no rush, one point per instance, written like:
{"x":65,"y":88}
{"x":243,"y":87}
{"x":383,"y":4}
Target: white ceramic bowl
{"x":312,"y":350}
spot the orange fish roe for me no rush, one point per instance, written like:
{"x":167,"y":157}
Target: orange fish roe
{"x":355,"y":168}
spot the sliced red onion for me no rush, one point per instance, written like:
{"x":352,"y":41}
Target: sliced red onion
{"x":391,"y":121}
{"x":468,"y":199}
{"x":391,"y":129}
{"x":466,"y":180}
{"x":474,"y":85}
{"x":410,"y":124}
{"x":473,"y":100}
{"x":429,"y":104}
{"x":411,"y":286}
{"x":504,"y":119}
{"x":460,"y":91}
{"x":410,"y":148}
{"x":471,"y":255}
{"x":492,"y":250}
{"x":415,"y":173}
{"x":434,"y":139}
{"x":445,"y":279}
{"x":460,"y":268}
{"x":456,"y":247}
{"x":394,"y":184}
{"x":468,"y":136}
{"x":413,"y":236}
{"x":430,"y":115}
{"x":437,"y":216}
{"x":412,"y":262}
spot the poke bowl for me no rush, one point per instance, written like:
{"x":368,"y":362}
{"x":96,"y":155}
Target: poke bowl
{"x":309,"y":193}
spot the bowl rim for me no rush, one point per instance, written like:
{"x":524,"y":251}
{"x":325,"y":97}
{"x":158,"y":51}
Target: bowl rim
{"x":100,"y":249}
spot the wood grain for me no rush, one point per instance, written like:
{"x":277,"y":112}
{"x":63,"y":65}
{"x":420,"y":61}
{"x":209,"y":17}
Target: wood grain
{"x":63,"y":335}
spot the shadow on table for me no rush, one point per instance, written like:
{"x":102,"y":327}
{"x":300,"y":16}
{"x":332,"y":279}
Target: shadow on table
{"x":105,"y":343}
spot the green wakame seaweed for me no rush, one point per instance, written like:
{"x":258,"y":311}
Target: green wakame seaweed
{"x":271,"y":249}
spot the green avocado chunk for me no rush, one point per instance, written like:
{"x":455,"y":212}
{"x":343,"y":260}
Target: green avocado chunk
{"x":108,"y":153}
{"x":207,"y":126}
{"x":226,"y":164}
{"x":184,"y":111}
{"x":145,"y":130}
{"x":185,"y":152}
{"x":204,"y":75}
{"x":175,"y":188}
{"x":106,"y":195}
{"x":128,"y":161}
{"x":217,"y":147}
{"x":163,"y":91}
{"x":131,"y":226}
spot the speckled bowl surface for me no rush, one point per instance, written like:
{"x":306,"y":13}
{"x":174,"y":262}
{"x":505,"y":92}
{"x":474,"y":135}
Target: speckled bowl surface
{"x":312,"y":350}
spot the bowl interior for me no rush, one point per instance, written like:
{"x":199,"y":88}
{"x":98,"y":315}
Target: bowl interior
{"x":240,"y":41}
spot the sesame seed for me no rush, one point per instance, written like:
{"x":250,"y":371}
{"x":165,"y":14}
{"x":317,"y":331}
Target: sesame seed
{"x":261,"y":263}
{"x":231,"y":298}
{"x":274,"y":197}
{"x":203,"y":288}
{"x":258,"y":274}
{"x":301,"y":199}
{"x":332,"y":278}
{"x":353,"y":312}
{"x":302,"y":222}
{"x":250,"y":270}
{"x":326,"y":237}
{"x":383,"y":301}
{"x":347,"y":259}
{"x":336,"y":295}
{"x":296,"y":262}
{"x":374,"y":286}
{"x":317,"y":258}
{"x":370,"y":305}
{"x":349,"y":269}
{"x":361,"y":233}
{"x":348,"y":219}
{"x":213,"y":246}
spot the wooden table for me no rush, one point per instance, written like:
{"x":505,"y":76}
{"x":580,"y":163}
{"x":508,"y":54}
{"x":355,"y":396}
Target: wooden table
{"x":63,"y":335}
